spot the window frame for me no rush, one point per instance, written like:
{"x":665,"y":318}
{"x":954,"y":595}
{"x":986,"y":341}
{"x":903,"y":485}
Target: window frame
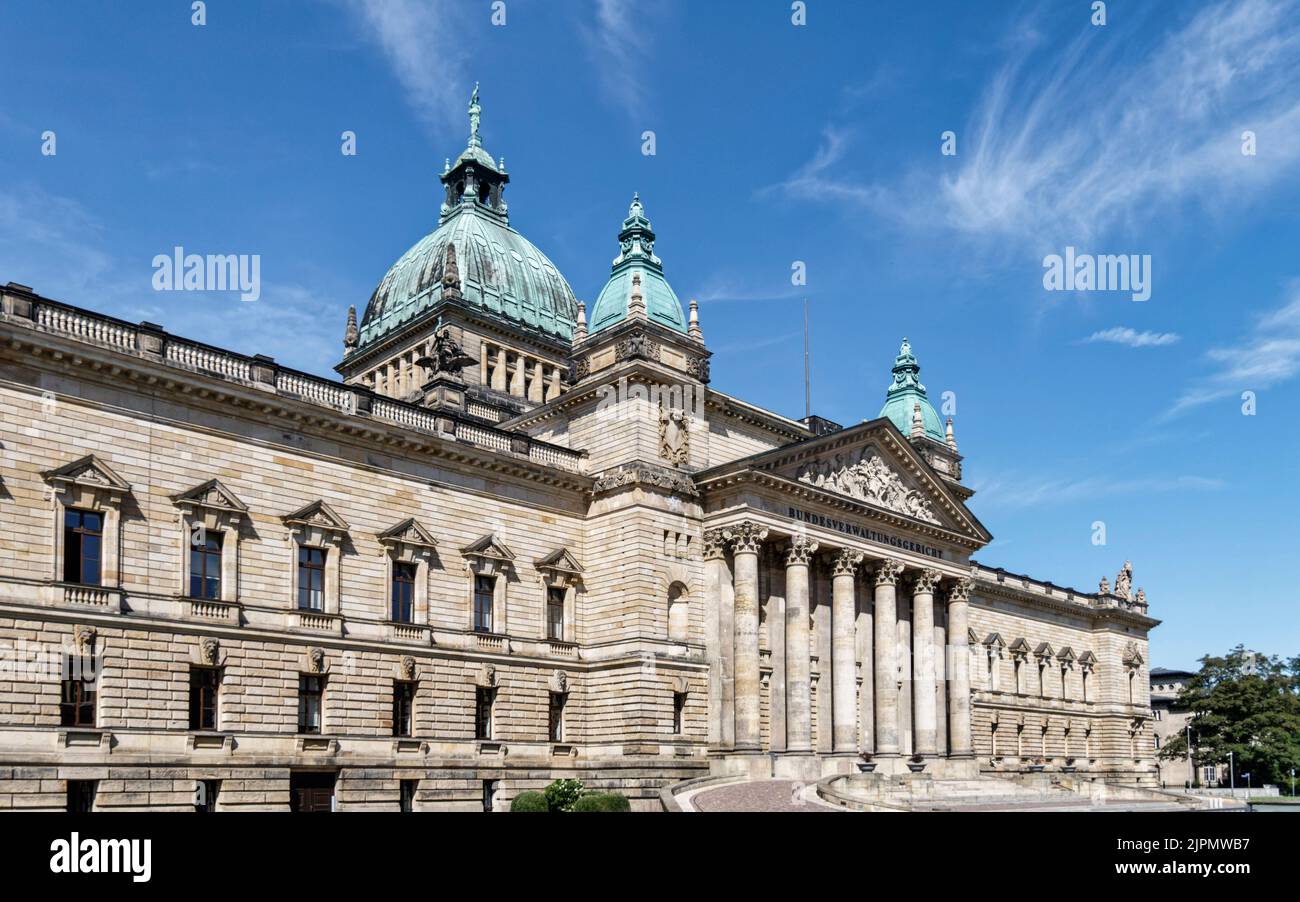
{"x":86,"y":697}
{"x":305,"y":695}
{"x":484,"y":600}
{"x":555,"y":726}
{"x":76,"y":536}
{"x":484,"y":714}
{"x":556,"y":599}
{"x":206,"y":555}
{"x":309,"y":567}
{"x":404,"y":708}
{"x":404,"y":578}
{"x":212,"y":677}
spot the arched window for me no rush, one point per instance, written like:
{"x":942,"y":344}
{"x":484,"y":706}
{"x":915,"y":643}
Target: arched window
{"x":679,"y":613}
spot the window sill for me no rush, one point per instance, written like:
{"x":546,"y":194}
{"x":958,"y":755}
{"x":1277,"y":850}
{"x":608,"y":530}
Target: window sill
{"x":211,"y":610}
{"x":209,"y":741}
{"x":316,"y":622}
{"x":408,"y":746}
{"x":491,"y":747}
{"x":564,"y":750}
{"x":408,"y":633}
{"x":86,"y":737}
{"x":310,"y":742}
{"x":103,"y":598}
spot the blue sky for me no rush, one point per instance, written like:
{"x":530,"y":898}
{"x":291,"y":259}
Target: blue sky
{"x":775,"y":143}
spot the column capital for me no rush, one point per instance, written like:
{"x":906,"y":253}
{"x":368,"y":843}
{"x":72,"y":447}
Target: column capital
{"x":959,"y":590}
{"x":846,"y":561}
{"x":925,"y":581}
{"x":746,"y":537}
{"x":887,"y":571}
{"x":715,"y":544}
{"x":800,"y":551}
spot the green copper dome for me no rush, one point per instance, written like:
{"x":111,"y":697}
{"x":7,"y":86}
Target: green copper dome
{"x":496,"y":270}
{"x":907,"y":391}
{"x":635,"y":262}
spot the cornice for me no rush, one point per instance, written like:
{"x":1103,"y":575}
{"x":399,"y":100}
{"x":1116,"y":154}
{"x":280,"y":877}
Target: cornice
{"x":261,"y":402}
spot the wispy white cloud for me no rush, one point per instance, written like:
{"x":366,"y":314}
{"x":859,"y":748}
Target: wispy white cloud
{"x":1013,"y":490}
{"x":1267,"y":355}
{"x":1123,"y":335}
{"x":1103,"y":141}
{"x":424,"y":45}
{"x":618,"y":40}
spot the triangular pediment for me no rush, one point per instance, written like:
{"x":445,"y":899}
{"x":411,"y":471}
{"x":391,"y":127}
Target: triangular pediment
{"x":88,"y":471}
{"x":212,"y":495}
{"x":561,"y":561}
{"x":995,"y":640}
{"x":408,"y":532}
{"x":1087,"y":658}
{"x":871,"y":464}
{"x":1044,"y":650}
{"x":317,"y":514}
{"x":1066,"y":655}
{"x":1019,"y":647}
{"x":490,"y":547}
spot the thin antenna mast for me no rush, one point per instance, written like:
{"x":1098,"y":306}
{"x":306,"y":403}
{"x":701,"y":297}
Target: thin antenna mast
{"x":807,"y":371}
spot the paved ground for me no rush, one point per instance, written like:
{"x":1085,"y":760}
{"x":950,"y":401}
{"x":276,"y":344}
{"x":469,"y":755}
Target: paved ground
{"x":759,"y":795}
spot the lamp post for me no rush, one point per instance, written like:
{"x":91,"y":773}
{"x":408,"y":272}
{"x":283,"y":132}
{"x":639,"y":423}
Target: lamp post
{"x":1191,"y":767}
{"x":1232,"y":775}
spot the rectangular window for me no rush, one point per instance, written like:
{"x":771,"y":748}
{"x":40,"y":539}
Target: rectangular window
{"x":77,"y":703}
{"x":205,"y":567}
{"x":555,"y":614}
{"x":83,"y":540}
{"x":406,"y":801}
{"x":205,"y":683}
{"x":205,"y":795}
{"x":311,"y":700}
{"x":489,"y":795}
{"x":81,"y":796}
{"x":311,"y":578}
{"x":483,"y":699}
{"x":679,"y":712}
{"x":484,"y":595}
{"x":403,"y":707}
{"x":555,"y":717}
{"x":403,"y":593}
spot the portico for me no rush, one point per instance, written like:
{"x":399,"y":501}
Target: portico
{"x":840,"y":590}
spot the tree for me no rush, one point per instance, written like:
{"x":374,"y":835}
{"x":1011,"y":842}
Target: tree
{"x":1246,"y":704}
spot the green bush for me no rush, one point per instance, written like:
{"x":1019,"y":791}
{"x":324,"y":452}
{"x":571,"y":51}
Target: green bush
{"x":529,"y":801}
{"x":602,"y":801}
{"x":561,"y":794}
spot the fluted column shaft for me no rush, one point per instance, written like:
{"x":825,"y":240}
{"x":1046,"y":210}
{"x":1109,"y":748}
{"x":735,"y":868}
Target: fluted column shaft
{"x":843,"y":651}
{"x":715,"y":566}
{"x":747,"y":538}
{"x":798,"y":667}
{"x":886,"y":688}
{"x":959,"y":734}
{"x":923,"y":668}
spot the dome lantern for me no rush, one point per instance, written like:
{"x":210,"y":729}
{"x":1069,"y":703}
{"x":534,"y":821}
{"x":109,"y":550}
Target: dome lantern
{"x":636,"y":286}
{"x":906,"y":401}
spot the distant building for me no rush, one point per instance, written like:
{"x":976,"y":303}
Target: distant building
{"x":1170,"y":718}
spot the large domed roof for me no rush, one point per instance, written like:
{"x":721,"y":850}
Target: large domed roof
{"x":501,"y":273}
{"x":492,"y":267}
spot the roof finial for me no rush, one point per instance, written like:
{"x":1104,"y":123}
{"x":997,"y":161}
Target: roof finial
{"x":474,"y":110}
{"x":636,"y":302}
{"x":350,"y":335}
{"x":580,"y":328}
{"x":693,"y":323}
{"x":949,"y":437}
{"x":918,"y":422}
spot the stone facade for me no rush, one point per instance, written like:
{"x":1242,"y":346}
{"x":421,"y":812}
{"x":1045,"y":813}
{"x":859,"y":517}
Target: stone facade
{"x":570,"y":557}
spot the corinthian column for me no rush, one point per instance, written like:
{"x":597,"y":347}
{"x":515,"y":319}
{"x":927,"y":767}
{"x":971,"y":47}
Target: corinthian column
{"x":886,"y":624}
{"x":798,"y":705}
{"x":923,"y":669}
{"x":959,"y":743}
{"x":746,"y":538}
{"x":843,"y":648}
{"x":715,"y":566}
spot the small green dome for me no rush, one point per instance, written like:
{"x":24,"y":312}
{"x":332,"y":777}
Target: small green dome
{"x":637,"y":258}
{"x":905,"y":393}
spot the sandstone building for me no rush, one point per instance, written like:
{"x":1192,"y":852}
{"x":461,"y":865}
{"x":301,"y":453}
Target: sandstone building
{"x":519,"y":538}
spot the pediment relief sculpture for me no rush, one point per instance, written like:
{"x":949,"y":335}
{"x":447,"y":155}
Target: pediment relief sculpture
{"x":868,"y":478}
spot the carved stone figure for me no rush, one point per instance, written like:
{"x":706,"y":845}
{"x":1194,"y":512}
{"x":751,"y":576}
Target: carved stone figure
{"x":674,"y":436}
{"x":1104,"y":588}
{"x":446,"y":356}
{"x":868,"y":479}
{"x":316,"y":657}
{"x":1124,"y":581}
{"x":209,"y":650}
{"x":408,"y":667}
